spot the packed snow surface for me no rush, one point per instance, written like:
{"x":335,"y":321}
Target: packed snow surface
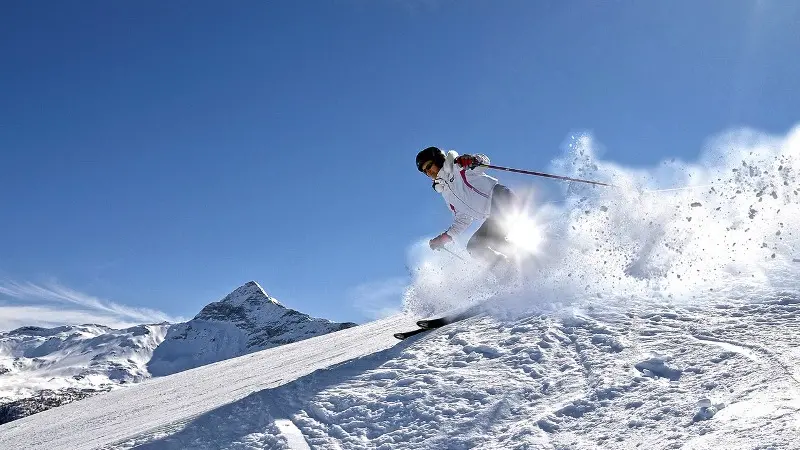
{"x":161,"y":407}
{"x":656,"y":376}
{"x":645,"y":318}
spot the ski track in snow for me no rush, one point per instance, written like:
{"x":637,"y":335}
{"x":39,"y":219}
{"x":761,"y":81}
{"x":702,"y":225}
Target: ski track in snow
{"x":613,"y":376}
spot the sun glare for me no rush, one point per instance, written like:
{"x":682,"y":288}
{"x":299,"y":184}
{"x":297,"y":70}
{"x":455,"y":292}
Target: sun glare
{"x":525,"y":233}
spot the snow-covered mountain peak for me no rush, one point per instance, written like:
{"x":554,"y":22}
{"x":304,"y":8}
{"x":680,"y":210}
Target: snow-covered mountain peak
{"x":244,"y":321}
{"x":248,"y":306}
{"x":249,"y":293}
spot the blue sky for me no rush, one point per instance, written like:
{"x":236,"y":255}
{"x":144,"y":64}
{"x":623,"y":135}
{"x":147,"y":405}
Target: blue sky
{"x":157,"y":155}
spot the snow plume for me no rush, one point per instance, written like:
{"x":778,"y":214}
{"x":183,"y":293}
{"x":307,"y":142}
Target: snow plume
{"x":53,"y":304}
{"x":732,"y":231}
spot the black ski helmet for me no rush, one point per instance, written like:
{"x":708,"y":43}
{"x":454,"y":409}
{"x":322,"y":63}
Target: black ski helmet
{"x":430,"y":154}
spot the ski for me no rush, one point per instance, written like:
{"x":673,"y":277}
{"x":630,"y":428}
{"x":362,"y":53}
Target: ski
{"x":447,"y":320}
{"x":408,"y":334}
{"x":424,"y":325}
{"x":432,"y":324}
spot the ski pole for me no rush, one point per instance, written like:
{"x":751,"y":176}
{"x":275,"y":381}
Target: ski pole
{"x":452,"y":253}
{"x":546,"y":175}
{"x":598,"y":183}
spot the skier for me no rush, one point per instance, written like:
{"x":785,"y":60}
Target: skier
{"x":471,"y":195}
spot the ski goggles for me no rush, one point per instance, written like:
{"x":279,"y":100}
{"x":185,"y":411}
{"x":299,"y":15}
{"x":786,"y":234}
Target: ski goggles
{"x":425,"y":166}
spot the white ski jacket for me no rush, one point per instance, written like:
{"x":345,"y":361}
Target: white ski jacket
{"x":468,"y":192}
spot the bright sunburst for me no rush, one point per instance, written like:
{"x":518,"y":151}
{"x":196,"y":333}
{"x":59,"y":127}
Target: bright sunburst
{"x":525,"y":232}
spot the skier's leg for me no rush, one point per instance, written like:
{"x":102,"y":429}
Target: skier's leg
{"x":478,"y":245}
{"x":504,"y":203}
{"x":503,"y":208}
{"x":489,"y":242}
{"x":483,"y":244}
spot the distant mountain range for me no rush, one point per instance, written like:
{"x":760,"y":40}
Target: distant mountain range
{"x":41,"y":368}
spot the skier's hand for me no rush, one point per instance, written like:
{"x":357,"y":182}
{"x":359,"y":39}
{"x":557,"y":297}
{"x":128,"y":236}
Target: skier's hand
{"x":440,"y":241}
{"x":467,"y":161}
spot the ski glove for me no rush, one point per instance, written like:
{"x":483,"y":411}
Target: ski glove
{"x":468,"y":161}
{"x":440,"y":241}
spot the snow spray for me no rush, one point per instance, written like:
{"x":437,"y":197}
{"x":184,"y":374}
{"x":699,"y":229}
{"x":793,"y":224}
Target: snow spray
{"x":731,"y":233}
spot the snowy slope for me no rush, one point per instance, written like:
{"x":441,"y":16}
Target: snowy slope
{"x":246,"y":320}
{"x":162,"y":406}
{"x":616,"y":376}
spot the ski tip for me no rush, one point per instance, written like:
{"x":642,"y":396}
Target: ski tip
{"x":408,"y":334}
{"x":431,"y":323}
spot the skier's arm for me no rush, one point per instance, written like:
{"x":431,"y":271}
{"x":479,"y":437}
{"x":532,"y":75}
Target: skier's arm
{"x":460,"y":223}
{"x":475,"y":163}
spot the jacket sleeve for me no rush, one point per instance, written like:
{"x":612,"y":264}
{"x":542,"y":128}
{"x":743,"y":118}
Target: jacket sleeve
{"x":483,"y":160}
{"x":450,"y":165}
{"x":460,"y":223}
